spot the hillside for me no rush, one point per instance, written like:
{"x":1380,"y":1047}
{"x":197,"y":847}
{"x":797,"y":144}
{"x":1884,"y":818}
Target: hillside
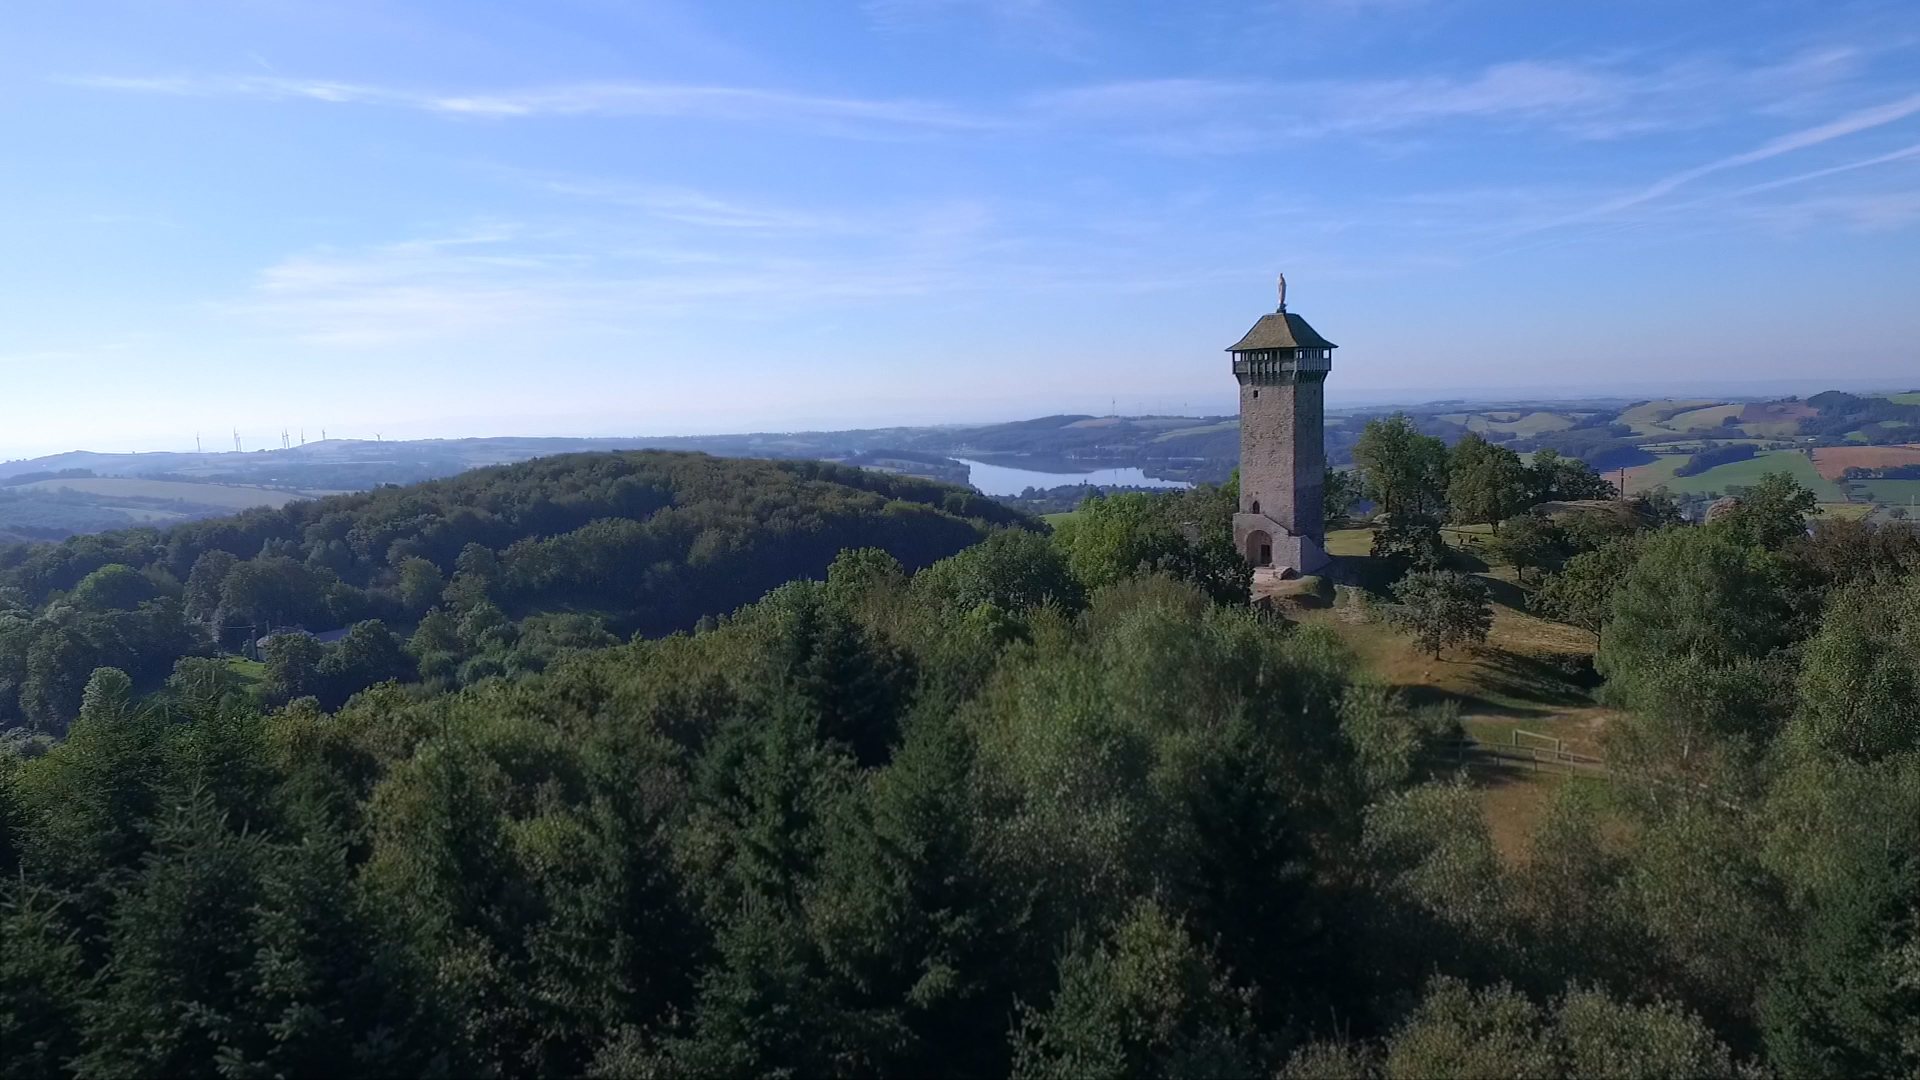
{"x":77,"y":493}
{"x":1072,"y":779}
{"x":561,"y":552}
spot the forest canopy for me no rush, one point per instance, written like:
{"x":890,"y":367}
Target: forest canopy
{"x":1047,"y":806}
{"x":597,"y":544}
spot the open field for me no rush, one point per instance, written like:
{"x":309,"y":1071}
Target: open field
{"x":1891,"y":492}
{"x":1207,"y":429}
{"x":1656,"y":473}
{"x":1532,"y":675}
{"x":1649,"y":418}
{"x":1721,"y":478}
{"x":1834,"y":461}
{"x":1707,"y":419}
{"x":1906,"y":399}
{"x":1847,"y":511}
{"x":229,"y":496}
{"x":1532,"y":423}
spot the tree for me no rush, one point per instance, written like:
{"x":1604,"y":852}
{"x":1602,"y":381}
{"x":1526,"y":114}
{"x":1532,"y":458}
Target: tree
{"x":1013,"y":570}
{"x":1771,"y":513}
{"x":1553,"y":478}
{"x":206,"y":583}
{"x":1344,"y":487}
{"x":1116,"y":536}
{"x":1691,"y":628}
{"x":420,"y":585}
{"x":438,"y":632}
{"x":1442,"y":608}
{"x":369,"y":654}
{"x":293,"y":667}
{"x":273,"y":591}
{"x":1410,"y":541}
{"x":1529,"y":543}
{"x":1149,"y":1002}
{"x":1498,"y":1032}
{"x":115,"y":586}
{"x":1581,"y":592}
{"x":1860,"y":675}
{"x":1405,"y":472}
{"x":1486,"y":484}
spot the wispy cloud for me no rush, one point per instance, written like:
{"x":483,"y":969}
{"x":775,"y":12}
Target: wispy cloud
{"x":669,"y":100}
{"x":1806,"y":138}
{"x":1593,"y":98}
{"x":497,"y":279}
{"x":1590,"y":99}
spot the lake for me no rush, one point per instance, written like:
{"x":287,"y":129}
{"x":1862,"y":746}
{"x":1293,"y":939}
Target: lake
{"x":1003,"y":480}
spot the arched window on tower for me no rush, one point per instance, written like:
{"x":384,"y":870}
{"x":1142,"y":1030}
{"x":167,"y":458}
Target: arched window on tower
{"x":1256,"y":506}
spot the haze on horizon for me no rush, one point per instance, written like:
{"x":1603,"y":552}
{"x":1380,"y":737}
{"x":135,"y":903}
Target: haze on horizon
{"x":663,"y":217}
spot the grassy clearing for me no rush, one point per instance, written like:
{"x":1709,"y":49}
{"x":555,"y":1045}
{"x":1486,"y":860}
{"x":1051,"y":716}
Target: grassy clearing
{"x":1057,"y":520}
{"x":250,"y":673}
{"x":1532,"y":675}
{"x":1906,"y":399}
{"x":229,"y":496}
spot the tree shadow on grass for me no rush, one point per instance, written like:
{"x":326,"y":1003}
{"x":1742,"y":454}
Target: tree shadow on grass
{"x":1567,"y":679}
{"x":1505,"y":593}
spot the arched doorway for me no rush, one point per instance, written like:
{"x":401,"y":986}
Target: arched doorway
{"x":1260,"y":548}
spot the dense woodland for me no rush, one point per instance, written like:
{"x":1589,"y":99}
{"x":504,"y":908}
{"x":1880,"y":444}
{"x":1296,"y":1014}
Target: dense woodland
{"x":975,"y":801}
{"x":488,"y":572}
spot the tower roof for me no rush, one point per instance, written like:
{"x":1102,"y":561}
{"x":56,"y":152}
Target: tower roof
{"x":1281,"y":330}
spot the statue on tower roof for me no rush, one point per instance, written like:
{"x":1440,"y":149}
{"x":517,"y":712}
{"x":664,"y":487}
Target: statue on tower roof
{"x":1283,"y":292}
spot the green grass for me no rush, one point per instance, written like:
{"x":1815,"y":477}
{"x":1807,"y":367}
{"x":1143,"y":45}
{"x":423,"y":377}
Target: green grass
{"x":1649,"y":419}
{"x":251,"y":673}
{"x":1532,"y":423}
{"x":1656,"y":473}
{"x":1746,"y":473}
{"x":1057,"y":520}
{"x":1906,"y":399}
{"x":228,"y":496}
{"x":1703,"y":419}
{"x":1205,"y":429}
{"x":1890,"y":492}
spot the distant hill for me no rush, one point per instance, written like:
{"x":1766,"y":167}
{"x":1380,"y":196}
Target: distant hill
{"x":1639,"y":436}
{"x":574,"y":549}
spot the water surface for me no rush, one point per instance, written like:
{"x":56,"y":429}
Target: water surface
{"x":1006,"y":480}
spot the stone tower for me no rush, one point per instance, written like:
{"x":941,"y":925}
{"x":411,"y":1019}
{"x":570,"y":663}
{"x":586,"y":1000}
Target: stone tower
{"x":1282,"y":365}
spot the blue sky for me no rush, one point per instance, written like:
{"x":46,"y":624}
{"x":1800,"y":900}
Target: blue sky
{"x":656,"y":216}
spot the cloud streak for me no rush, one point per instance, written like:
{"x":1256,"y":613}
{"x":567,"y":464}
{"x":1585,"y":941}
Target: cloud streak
{"x":1792,"y":142}
{"x":1580,"y":99}
{"x":616,"y":99}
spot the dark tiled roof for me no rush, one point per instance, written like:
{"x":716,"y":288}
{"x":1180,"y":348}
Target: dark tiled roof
{"x":1281,"y":330}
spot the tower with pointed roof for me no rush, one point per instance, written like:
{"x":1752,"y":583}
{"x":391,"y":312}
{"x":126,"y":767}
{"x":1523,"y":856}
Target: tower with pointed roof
{"x":1282,"y":366}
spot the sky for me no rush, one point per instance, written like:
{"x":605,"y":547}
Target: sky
{"x":624,"y":217}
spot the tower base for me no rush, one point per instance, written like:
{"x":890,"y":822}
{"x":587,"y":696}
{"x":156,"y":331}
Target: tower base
{"x":1263,"y":541}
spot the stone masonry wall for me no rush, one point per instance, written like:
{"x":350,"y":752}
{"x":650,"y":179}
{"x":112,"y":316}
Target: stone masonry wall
{"x":1283,"y":454}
